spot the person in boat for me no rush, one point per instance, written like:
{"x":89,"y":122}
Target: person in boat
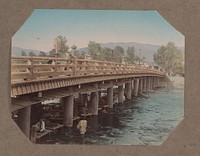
{"x":82,"y":127}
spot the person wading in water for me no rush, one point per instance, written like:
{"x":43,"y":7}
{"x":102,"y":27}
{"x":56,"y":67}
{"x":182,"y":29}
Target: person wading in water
{"x":82,"y":126}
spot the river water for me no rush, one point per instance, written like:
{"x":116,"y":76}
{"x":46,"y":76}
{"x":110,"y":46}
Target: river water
{"x":145,"y":120}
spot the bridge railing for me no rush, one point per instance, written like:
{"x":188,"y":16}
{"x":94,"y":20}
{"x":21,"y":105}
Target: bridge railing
{"x":30,"y":68}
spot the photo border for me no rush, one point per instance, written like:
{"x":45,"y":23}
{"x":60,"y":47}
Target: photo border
{"x":183,"y":15}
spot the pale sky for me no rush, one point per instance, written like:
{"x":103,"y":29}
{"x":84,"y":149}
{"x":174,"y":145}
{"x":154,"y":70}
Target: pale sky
{"x":101,"y":26}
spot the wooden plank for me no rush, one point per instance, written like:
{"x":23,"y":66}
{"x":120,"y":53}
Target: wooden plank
{"x":32,"y":88}
{"x":14,"y":90}
{"x":36,"y":87}
{"x":46,"y":85}
{"x":43,"y":86}
{"x":19,"y":90}
{"x":39,"y":135}
{"x":28,"y":88}
{"x":40,"y":86}
{"x":24,"y":89}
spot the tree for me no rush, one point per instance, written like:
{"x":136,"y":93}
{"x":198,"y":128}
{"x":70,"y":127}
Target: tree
{"x":118,"y":54}
{"x":130,"y":55}
{"x":32,"y":53}
{"x":94,"y":50}
{"x":108,"y":54}
{"x":60,"y":46}
{"x":23,"y":53}
{"x":170,"y":59}
{"x":42,"y":54}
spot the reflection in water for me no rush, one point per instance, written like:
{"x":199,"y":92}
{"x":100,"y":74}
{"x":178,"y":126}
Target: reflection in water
{"x":140,"y":121}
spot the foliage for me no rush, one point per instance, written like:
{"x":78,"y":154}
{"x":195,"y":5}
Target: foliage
{"x":32,"y":53}
{"x":131,"y":57}
{"x":105,"y":54}
{"x":95,"y":50}
{"x":170,"y":59}
{"x":60,"y":45}
{"x":23,"y":53}
{"x":118,"y":54}
{"x":42,"y":54}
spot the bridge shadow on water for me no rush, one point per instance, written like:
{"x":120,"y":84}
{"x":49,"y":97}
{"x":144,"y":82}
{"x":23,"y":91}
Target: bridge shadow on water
{"x":145,"y":120}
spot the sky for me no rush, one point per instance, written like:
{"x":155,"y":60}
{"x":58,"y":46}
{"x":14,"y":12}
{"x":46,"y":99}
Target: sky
{"x":102,"y":26}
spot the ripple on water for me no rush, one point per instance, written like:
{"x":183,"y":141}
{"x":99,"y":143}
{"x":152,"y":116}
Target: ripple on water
{"x":140,"y":121}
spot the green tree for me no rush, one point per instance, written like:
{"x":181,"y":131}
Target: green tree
{"x":32,"y":53}
{"x":60,"y":46}
{"x":23,"y":53}
{"x":52,"y":52}
{"x":42,"y":54}
{"x":94,"y":50}
{"x":118,"y":54}
{"x":108,"y":54}
{"x":170,"y":59}
{"x":130,"y":55}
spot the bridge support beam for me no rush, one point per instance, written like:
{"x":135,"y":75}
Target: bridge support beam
{"x":136,"y":87}
{"x":24,"y":116}
{"x":141,"y":86}
{"x":158,"y":82}
{"x":147,"y":84}
{"x":94,"y":103}
{"x":120,"y":94}
{"x":84,"y":99}
{"x":150,"y":82}
{"x":68,"y":103}
{"x":144,"y":84}
{"x":110,"y":97}
{"x":154,"y":82}
{"x":128,"y":90}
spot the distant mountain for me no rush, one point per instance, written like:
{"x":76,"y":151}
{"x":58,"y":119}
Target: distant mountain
{"x":17,"y":51}
{"x":147,"y":50}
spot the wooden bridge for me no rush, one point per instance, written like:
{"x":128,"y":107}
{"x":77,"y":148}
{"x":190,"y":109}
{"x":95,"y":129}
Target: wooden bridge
{"x":37,"y":79}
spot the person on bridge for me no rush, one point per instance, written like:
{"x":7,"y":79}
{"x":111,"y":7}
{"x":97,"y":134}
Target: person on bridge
{"x":82,"y":126}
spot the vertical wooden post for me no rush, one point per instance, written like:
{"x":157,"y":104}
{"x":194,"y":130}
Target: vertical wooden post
{"x":74,"y":61}
{"x":68,"y":103}
{"x":55,"y":68}
{"x":30,"y":69}
{"x":136,"y":87}
{"x":24,"y":116}
{"x":110,"y":97}
{"x":144,"y":84}
{"x":128,"y":90}
{"x":120,"y":94}
{"x":95,"y":103}
{"x":147,"y":84}
{"x":141,"y":86}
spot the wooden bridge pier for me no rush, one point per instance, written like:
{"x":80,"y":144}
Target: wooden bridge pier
{"x":120,"y":93}
{"x":68,"y":103}
{"x":128,"y":87}
{"x":145,"y":84}
{"x":24,"y":116}
{"x":140,"y":86}
{"x":110,"y":97}
{"x":136,"y":87}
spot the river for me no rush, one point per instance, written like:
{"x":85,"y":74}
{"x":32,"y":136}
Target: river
{"x":145,"y":120}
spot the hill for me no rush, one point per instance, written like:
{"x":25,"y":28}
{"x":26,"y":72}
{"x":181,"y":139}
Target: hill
{"x":17,"y":51}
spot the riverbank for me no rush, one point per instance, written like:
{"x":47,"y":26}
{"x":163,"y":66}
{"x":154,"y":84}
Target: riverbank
{"x":178,"y":82}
